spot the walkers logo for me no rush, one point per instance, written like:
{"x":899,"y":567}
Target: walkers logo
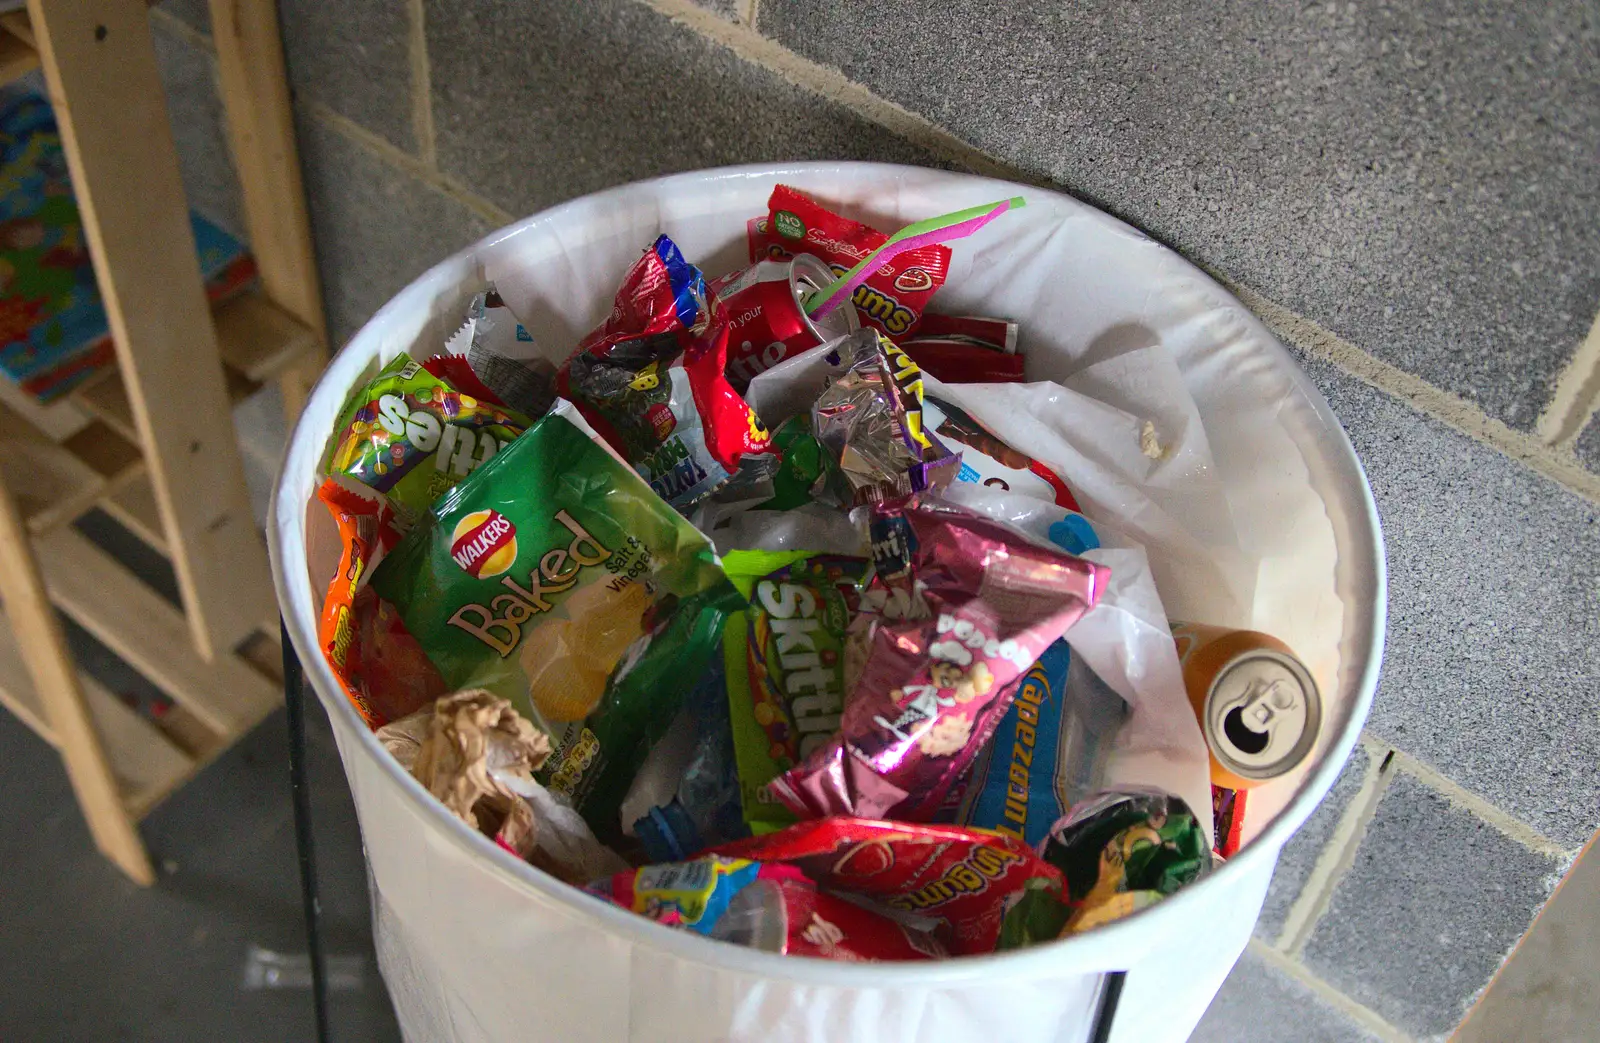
{"x":484,"y":544}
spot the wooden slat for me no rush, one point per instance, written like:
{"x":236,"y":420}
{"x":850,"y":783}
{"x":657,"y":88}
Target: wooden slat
{"x":145,"y":764}
{"x":260,"y":340}
{"x":17,"y":58}
{"x":16,"y":23}
{"x":50,"y":484}
{"x":133,"y":505}
{"x":107,"y":400}
{"x":17,"y":692}
{"x":137,"y":624}
{"x":99,"y":58}
{"x":190,"y":734}
{"x":43,"y":649}
{"x":56,"y":421}
{"x":264,"y":654}
{"x":255,"y":96}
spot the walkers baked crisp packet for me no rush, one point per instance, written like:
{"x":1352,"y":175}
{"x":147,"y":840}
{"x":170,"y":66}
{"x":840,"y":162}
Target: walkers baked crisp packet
{"x":555,"y":578}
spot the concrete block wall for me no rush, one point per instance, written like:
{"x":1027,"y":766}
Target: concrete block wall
{"x":1404,"y":192}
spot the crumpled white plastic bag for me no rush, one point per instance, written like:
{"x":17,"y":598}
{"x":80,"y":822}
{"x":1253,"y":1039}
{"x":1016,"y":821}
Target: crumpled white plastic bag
{"x":811,"y":527}
{"x":1173,"y":506}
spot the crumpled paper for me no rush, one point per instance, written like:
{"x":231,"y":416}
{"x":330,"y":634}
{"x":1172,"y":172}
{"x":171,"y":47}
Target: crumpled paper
{"x":474,"y":752}
{"x":473,"y":741}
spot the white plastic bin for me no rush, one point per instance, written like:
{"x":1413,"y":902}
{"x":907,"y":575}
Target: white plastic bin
{"x":476,"y":946}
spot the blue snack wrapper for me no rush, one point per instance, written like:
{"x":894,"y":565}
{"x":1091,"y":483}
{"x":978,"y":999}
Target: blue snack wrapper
{"x":1050,"y":749}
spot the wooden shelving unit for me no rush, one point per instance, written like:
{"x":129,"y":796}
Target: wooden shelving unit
{"x":152,"y":444}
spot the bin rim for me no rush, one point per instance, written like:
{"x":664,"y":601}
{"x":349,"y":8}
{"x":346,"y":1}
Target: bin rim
{"x":300,"y":606}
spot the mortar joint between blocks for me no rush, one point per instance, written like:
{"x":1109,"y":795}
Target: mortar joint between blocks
{"x":1367,"y":1018}
{"x":1577,"y":394}
{"x":1527,"y":449}
{"x":1512,"y":827}
{"x":747,"y":44}
{"x":408,"y":164}
{"x":421,"y":86}
{"x":1338,"y":855}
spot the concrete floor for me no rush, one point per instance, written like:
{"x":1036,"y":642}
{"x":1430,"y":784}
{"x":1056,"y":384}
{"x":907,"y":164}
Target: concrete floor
{"x":89,"y":956}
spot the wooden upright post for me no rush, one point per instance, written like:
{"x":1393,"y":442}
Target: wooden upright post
{"x":100,"y":65}
{"x":43,"y":649}
{"x":255,"y":94}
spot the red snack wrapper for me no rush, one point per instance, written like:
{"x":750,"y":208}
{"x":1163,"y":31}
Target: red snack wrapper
{"x":622,"y":379}
{"x":765,"y":905}
{"x":977,"y":330}
{"x":732,"y":427}
{"x":456,"y":371}
{"x":985,"y":603}
{"x":831,"y":928}
{"x":966,"y":349}
{"x":892,"y":299}
{"x":965,"y":880}
{"x":957,"y":362}
{"x":658,"y":295}
{"x":389,"y":676}
{"x":366,"y":531}
{"x":1227,"y":816}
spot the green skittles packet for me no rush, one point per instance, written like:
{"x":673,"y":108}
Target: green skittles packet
{"x":410,"y":435}
{"x":784,"y":658}
{"x":555,"y":578}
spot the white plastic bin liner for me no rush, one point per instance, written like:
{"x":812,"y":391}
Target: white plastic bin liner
{"x":476,"y":946}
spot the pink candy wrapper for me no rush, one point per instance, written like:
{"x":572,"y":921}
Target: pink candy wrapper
{"x":987,"y":602}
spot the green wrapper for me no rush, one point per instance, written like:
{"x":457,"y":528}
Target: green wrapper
{"x":410,"y":435}
{"x":784,"y":658}
{"x":596,"y":759}
{"x":804,"y":461}
{"x":1120,"y":852}
{"x":555,"y":578}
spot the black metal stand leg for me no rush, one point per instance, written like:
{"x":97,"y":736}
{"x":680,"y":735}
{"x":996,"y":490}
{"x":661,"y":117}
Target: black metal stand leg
{"x":1109,"y":998}
{"x":294,"y":696}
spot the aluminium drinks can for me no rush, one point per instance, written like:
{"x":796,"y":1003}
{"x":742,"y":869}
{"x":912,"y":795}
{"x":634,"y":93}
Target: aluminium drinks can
{"x":767,"y":321}
{"x":1258,"y":706}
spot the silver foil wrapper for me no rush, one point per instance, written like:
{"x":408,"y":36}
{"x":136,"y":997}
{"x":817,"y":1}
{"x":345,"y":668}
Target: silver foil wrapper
{"x":870,"y":418}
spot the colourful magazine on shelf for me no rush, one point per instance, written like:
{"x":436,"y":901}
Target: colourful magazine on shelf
{"x":52,"y":323}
